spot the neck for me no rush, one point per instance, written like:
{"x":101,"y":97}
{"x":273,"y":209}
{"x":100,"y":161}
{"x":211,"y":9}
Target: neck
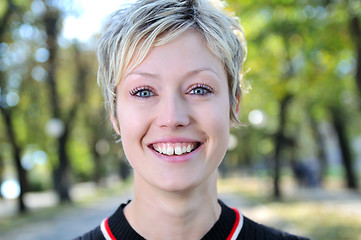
{"x":175,"y":213}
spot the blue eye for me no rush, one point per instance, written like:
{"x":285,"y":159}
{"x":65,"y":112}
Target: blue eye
{"x":200,"y":89}
{"x":142,"y":92}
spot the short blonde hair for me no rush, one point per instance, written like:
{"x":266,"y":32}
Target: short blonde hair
{"x":130,"y":33}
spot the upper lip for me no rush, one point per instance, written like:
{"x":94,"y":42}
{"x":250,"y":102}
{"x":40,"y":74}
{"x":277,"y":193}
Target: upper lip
{"x":175,"y":140}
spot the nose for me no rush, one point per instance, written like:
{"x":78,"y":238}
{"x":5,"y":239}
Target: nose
{"x":173,"y":112}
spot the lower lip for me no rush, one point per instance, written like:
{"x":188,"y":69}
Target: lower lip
{"x":177,"y":158}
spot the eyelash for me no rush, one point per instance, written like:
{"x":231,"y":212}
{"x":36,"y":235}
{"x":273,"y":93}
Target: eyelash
{"x":138,"y":90}
{"x":208,"y":89}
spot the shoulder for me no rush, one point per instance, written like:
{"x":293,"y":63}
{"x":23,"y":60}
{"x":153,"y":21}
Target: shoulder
{"x":253,"y":230}
{"x":114,"y":227}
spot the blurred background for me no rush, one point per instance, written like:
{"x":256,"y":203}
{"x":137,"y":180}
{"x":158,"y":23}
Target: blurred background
{"x":295,"y":164}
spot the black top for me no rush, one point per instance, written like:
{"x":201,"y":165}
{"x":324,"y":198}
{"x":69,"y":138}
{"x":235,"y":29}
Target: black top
{"x":117,"y":227}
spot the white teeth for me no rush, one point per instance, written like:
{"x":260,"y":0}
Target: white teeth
{"x":164,"y":149}
{"x":157,"y":148}
{"x":174,"y":148}
{"x":178,"y":150}
{"x":189,"y":148}
{"x":170,"y":150}
{"x":184,"y":149}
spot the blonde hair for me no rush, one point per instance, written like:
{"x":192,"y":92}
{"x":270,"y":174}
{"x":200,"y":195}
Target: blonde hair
{"x":130,"y":32}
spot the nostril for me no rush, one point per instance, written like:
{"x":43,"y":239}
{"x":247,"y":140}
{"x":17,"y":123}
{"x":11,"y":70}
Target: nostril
{"x":174,"y":122}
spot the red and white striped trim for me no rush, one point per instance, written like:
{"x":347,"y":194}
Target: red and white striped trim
{"x":104,"y":227}
{"x":237,"y":227}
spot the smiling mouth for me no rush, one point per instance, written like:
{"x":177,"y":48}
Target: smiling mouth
{"x":171,"y":149}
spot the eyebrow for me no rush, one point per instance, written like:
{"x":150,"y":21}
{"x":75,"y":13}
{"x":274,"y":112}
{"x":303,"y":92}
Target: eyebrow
{"x":187,"y":75}
{"x":197,"y":71}
{"x":144,"y":74}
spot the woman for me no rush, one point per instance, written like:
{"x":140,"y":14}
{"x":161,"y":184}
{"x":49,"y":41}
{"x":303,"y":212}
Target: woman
{"x":170,"y":72}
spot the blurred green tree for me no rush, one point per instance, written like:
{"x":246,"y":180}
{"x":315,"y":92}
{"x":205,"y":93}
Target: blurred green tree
{"x":42,"y":88}
{"x":10,"y":86}
{"x":303,"y":66}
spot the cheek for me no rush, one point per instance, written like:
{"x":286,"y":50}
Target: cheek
{"x":130,"y":121}
{"x":132,"y":128}
{"x":133,"y":123}
{"x":221,"y":129}
{"x":218,"y":114}
{"x":215,"y":118}
{"x":221,"y":122}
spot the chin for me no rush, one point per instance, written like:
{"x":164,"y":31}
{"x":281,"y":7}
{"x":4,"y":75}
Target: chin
{"x":184,"y":184}
{"x":177,"y":184}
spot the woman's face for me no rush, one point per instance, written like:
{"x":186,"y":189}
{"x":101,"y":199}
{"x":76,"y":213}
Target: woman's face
{"x":173,"y":114}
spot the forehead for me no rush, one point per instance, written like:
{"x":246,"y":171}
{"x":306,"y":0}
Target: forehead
{"x":188,"y":51}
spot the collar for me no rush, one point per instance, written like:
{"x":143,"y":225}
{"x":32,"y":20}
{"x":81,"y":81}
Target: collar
{"x":228,"y":226}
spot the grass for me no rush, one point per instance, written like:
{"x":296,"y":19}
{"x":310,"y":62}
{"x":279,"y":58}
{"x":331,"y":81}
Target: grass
{"x":318,"y":220}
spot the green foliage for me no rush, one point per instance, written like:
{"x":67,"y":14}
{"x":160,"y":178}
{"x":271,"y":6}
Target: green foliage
{"x":3,"y":7}
{"x":25,"y":76}
{"x":40,"y":178}
{"x":303,"y":49}
{"x":82,"y":161}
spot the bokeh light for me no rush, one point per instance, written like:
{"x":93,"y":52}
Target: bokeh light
{"x":10,"y":189}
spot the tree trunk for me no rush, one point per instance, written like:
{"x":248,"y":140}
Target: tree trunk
{"x":340,"y":127}
{"x":96,"y":133}
{"x":280,"y":140}
{"x":61,"y":174}
{"x":320,"y":150}
{"x":16,"y":155}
